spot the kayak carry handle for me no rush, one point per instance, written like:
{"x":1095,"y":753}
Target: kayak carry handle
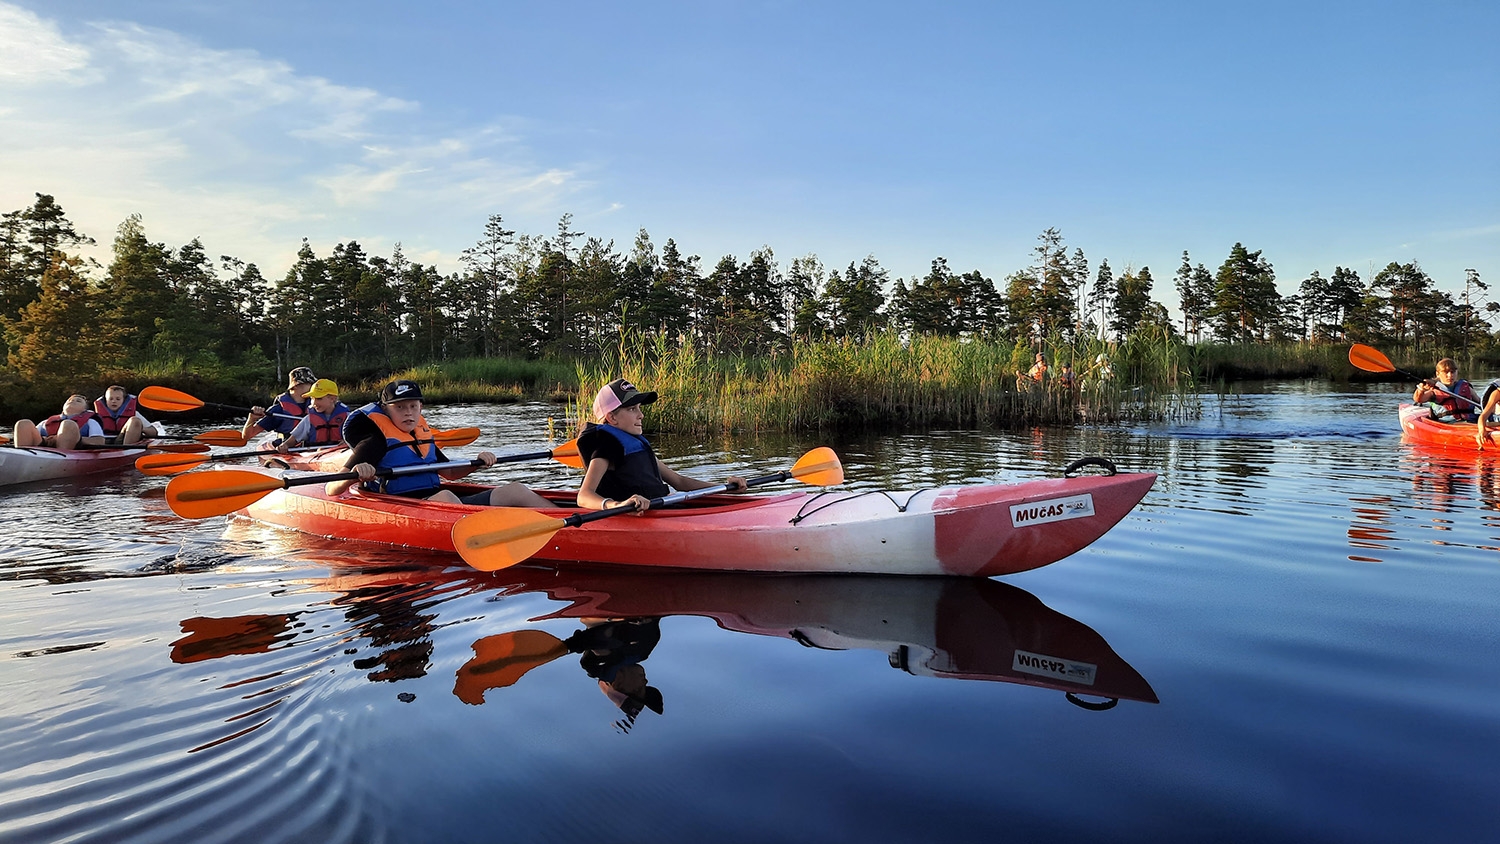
{"x":1085,"y":462}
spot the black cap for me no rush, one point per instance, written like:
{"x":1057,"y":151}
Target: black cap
{"x":400,"y":391}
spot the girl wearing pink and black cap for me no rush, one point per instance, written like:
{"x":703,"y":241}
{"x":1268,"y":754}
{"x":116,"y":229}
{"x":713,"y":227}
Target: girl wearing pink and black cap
{"x":619,"y":465}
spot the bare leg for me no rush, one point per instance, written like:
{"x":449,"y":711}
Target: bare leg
{"x":25,"y":434}
{"x":517,"y":495}
{"x":445,"y":496}
{"x":67,"y":435}
{"x":131,"y":433}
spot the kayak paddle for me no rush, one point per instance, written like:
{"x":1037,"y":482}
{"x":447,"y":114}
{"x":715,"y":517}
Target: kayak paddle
{"x":1370,"y":359}
{"x":171,"y":464}
{"x":199,"y":495}
{"x":176,"y":401}
{"x":503,"y":536}
{"x":502,"y":659}
{"x":228,"y":437}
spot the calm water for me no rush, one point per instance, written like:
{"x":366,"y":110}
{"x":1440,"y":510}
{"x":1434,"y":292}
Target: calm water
{"x":1311,"y":601}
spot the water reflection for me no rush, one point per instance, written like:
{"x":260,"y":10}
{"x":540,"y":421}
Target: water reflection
{"x":956,"y":628}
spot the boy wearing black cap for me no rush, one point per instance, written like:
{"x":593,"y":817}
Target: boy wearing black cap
{"x":619,"y":464}
{"x":288,"y":409}
{"x":392,"y":433}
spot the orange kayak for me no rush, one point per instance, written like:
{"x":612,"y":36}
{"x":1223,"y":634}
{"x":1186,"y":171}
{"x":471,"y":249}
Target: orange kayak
{"x":1418,"y":426}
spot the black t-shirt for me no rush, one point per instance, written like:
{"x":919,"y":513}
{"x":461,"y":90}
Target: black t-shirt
{"x":627,"y":475}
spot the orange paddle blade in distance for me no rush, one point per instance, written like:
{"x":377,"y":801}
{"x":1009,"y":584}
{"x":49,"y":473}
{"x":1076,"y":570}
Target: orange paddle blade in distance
{"x":179,"y":448}
{"x":819,"y":467}
{"x":168,"y":399}
{"x":168,"y":464}
{"x":228,"y":437}
{"x":499,"y":537}
{"x":502,"y":659}
{"x":568,"y":455}
{"x":199,"y":495}
{"x":1369,"y":359}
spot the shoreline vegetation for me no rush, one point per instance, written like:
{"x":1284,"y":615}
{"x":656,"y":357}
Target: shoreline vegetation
{"x":882,"y":382}
{"x":738,"y":344}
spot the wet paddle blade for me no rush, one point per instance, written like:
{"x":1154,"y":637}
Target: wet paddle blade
{"x":227,"y":437}
{"x":168,"y":464}
{"x":168,"y":399}
{"x":568,"y":455}
{"x":819,"y":467}
{"x":501,"y":660}
{"x":199,"y":495}
{"x":502,"y":536}
{"x":457,"y":436}
{"x":1369,"y":359}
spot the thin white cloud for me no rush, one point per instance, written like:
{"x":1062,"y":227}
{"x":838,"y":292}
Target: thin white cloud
{"x":242,"y":150}
{"x":33,"y":50}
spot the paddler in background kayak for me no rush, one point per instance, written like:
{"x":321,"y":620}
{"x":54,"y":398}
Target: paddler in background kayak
{"x":120,"y":417}
{"x":619,"y":465}
{"x":1450,"y":399}
{"x":288,"y":409}
{"x":391,"y":433}
{"x":1489,"y":417}
{"x":76,"y":424}
{"x":324,"y":422}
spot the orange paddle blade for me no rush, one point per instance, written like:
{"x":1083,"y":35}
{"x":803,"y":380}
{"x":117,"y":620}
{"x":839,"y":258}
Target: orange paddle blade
{"x":819,"y":467}
{"x":502,"y":536}
{"x":199,"y":495}
{"x":457,"y":436}
{"x":168,"y":399}
{"x":1369,"y":359}
{"x":227,"y":437}
{"x":179,"y":448}
{"x":168,"y":464}
{"x":568,"y":455}
{"x":501,"y":660}
{"x":4,"y":440}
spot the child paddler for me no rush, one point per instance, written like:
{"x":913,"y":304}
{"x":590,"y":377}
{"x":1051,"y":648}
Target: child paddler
{"x":1450,"y":398}
{"x":619,"y":465}
{"x":392,"y":433}
{"x":324,"y":422}
{"x":76,"y":424}
{"x":288,"y":409}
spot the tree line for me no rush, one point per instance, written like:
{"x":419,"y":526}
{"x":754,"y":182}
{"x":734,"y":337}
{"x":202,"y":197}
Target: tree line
{"x":156,"y":307}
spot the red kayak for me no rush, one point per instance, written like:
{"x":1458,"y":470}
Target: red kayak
{"x":1419,"y":427}
{"x":964,"y":530}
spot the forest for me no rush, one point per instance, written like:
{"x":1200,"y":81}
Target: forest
{"x":174,"y":313}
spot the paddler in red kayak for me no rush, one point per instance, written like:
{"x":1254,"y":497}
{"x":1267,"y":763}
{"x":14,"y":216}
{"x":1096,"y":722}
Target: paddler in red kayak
{"x":288,"y":409}
{"x":324,"y":422}
{"x":619,"y":465}
{"x":1451,"y":399}
{"x":392,"y":433}
{"x":76,"y":424}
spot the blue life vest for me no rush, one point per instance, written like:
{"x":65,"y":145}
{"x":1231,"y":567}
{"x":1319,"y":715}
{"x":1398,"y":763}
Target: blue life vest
{"x":402,"y":449}
{"x":284,"y":414}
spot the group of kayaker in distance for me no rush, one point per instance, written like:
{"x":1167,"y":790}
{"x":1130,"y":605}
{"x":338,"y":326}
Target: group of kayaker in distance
{"x":1452,"y":399}
{"x":620,"y":467}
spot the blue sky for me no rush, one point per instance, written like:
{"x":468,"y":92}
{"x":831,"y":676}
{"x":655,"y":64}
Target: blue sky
{"x":1324,"y":134}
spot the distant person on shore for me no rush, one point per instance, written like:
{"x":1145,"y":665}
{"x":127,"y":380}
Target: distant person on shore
{"x":324,"y":422}
{"x":75,"y":425}
{"x":619,"y":465}
{"x":120,"y":418}
{"x":286,"y":411}
{"x":1038,"y":370}
{"x":1065,"y":379}
{"x":392,"y":433}
{"x":1450,"y":398}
